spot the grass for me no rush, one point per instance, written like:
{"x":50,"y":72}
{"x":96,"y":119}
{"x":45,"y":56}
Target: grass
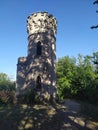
{"x":91,"y":112}
{"x":44,"y":117}
{"x":25,"y":117}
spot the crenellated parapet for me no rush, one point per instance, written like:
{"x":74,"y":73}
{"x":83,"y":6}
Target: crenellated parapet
{"x":22,"y":60}
{"x":41,"y":22}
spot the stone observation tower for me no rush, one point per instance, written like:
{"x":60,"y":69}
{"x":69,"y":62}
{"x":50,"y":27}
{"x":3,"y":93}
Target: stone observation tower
{"x":37,"y":70}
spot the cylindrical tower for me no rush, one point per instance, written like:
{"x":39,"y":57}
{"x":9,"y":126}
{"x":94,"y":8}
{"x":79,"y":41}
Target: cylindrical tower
{"x":41,"y":58}
{"x":41,"y":28}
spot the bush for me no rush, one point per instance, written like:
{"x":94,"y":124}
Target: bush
{"x":7,"y":97}
{"x":7,"y":89}
{"x":29,"y":97}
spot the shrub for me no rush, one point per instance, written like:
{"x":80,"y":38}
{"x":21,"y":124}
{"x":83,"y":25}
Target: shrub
{"x":7,"y":97}
{"x":29,"y":97}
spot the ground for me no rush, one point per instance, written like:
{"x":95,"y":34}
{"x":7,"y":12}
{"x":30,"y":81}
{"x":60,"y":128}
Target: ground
{"x":65,"y":116}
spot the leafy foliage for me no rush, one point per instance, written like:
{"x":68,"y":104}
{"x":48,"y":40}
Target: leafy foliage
{"x":6,"y":83}
{"x":7,"y":89}
{"x":78,"y":77}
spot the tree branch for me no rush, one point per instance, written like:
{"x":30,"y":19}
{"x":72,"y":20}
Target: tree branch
{"x":96,"y":2}
{"x":94,"y":27}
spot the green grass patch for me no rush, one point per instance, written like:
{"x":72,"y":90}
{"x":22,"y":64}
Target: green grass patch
{"x":26,"y":117}
{"x":91,"y":112}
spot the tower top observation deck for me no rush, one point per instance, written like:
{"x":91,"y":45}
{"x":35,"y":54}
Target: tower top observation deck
{"x":41,"y":22}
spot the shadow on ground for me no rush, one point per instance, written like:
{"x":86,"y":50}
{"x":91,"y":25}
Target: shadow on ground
{"x":41,"y":117}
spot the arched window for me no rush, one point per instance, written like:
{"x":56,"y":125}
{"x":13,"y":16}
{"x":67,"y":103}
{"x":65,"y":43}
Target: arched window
{"x":38,"y":83}
{"x":39,"y":48}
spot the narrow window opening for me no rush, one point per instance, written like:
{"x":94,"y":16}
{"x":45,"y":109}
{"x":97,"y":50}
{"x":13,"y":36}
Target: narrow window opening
{"x":38,"y":83}
{"x":39,"y":48}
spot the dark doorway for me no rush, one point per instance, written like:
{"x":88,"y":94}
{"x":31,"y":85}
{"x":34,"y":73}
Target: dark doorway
{"x":39,"y":48}
{"x":38,"y":83}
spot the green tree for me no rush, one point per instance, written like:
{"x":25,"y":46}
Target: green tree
{"x":86,"y":78}
{"x":78,"y":78}
{"x":95,"y":59}
{"x":7,"y":89}
{"x":65,"y":71}
{"x":6,"y":83}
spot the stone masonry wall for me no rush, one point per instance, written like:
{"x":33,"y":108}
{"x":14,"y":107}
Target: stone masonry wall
{"x":38,"y":68}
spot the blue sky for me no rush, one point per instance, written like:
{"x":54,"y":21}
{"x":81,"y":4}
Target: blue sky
{"x":74,"y":35}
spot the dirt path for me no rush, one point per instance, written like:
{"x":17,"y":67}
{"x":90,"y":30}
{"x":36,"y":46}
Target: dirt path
{"x":73,"y":119}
